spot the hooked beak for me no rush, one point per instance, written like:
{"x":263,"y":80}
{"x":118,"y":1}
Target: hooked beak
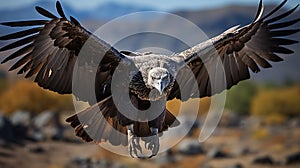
{"x":159,"y":86}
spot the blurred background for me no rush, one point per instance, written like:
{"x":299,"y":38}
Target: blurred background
{"x":260,"y":123}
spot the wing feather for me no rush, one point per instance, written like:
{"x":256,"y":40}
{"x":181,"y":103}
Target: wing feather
{"x":248,"y":47}
{"x":21,"y":61}
{"x":25,"y":23}
{"x":21,"y":33}
{"x":45,"y":13}
{"x":18,"y":53}
{"x":275,"y":9}
{"x":283,"y":24}
{"x":60,"y":10}
{"x":49,"y":51}
{"x":282,"y":15}
{"x":19,"y":43}
{"x":279,"y":33}
{"x":26,"y":67}
{"x":282,"y":50}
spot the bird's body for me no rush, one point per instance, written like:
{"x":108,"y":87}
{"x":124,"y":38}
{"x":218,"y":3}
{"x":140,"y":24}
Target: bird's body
{"x":51,"y":49}
{"x":157,"y":65}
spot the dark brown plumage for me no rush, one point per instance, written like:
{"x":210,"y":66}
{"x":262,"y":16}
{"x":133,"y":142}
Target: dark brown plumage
{"x":239,"y":49}
{"x":50,"y":53}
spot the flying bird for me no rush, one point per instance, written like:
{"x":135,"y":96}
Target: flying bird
{"x":48,"y":51}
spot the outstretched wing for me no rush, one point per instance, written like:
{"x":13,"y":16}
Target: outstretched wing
{"x":239,"y":49}
{"x":49,"y":50}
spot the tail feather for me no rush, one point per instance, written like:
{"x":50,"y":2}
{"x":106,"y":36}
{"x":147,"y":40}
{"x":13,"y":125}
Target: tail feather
{"x":142,"y":129}
{"x":170,"y":120}
{"x":99,"y":124}
{"x":79,"y":131}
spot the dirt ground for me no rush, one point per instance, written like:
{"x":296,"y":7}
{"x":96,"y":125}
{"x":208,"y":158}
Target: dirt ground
{"x":57,"y":154}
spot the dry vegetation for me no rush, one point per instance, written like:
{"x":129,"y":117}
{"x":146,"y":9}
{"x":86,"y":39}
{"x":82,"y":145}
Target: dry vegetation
{"x":274,"y":105}
{"x":28,"y":96}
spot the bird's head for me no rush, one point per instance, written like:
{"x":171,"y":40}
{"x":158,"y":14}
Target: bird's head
{"x":159,"y":78}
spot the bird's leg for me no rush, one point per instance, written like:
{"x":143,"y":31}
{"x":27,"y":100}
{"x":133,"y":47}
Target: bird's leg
{"x":133,"y":142}
{"x":153,"y":142}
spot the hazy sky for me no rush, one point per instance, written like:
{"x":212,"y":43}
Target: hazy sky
{"x":157,"y":4}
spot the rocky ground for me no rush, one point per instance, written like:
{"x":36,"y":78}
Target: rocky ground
{"x":43,"y":141}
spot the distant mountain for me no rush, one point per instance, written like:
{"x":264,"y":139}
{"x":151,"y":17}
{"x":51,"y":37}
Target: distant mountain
{"x":106,"y":11}
{"x":218,"y":20}
{"x":112,"y":10}
{"x":212,"y":22}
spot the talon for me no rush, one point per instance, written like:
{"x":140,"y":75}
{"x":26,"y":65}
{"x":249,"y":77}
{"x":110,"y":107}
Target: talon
{"x":134,"y":147}
{"x":133,"y":143}
{"x":150,"y":156}
{"x":130,"y":152}
{"x":153,"y":142}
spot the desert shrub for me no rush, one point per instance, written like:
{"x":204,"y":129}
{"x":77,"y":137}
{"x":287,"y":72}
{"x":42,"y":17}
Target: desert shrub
{"x":238,"y":98}
{"x":260,"y":133}
{"x":276,"y":105}
{"x":3,"y":85}
{"x":26,"y":95}
{"x":204,"y":105}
